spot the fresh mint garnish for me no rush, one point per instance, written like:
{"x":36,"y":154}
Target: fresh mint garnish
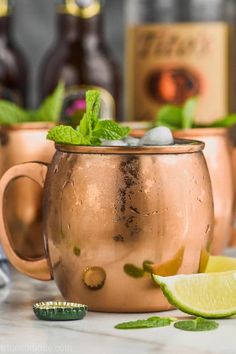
{"x":188,"y":112}
{"x":196,"y":325}
{"x":49,"y":111}
{"x":175,"y":117}
{"x":51,"y":107}
{"x":151,"y":322}
{"x":170,"y":116}
{"x":110,"y":130}
{"x":10,"y":113}
{"x":225,"y":122}
{"x":62,"y":134}
{"x":91,"y":130}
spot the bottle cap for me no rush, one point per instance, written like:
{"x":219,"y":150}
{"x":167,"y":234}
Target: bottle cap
{"x":59,"y":311}
{"x":80,"y":8}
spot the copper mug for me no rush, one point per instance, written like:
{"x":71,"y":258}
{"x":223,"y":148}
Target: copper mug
{"x":22,"y":143}
{"x":108,"y":212}
{"x":218,"y":153}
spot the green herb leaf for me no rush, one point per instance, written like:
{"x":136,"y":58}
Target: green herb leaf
{"x":65,"y":135}
{"x":188,"y":113}
{"x":51,"y":108}
{"x":84,"y":128}
{"x":151,"y":322}
{"x":10,"y":113}
{"x":91,"y":130}
{"x":133,"y":271}
{"x":226,"y":122}
{"x":110,"y":130}
{"x":170,"y":116}
{"x":93,"y":107}
{"x":198,"y":324}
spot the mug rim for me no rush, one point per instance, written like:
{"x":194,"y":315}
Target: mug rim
{"x":200,"y":132}
{"x":28,"y":126}
{"x":181,"y":146}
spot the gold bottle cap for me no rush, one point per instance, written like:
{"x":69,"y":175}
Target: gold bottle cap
{"x":80,"y":8}
{"x":4,"y":8}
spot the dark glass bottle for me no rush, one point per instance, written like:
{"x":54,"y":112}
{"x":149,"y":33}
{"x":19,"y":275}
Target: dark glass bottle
{"x":177,"y":49}
{"x":13,"y":81}
{"x":81,"y":59}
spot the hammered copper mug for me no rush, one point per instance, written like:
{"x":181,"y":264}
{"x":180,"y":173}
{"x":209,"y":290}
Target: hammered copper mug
{"x":110,"y":213}
{"x":22,"y":143}
{"x":218,"y":153}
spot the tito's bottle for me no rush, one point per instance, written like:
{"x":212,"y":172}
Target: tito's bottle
{"x":12,"y":66}
{"x":81,"y":59}
{"x":177,"y":49}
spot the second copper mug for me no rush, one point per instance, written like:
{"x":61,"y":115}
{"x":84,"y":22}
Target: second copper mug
{"x":218,"y":153}
{"x":109,"y":212}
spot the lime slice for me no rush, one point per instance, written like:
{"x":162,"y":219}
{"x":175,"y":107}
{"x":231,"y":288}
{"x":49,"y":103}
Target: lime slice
{"x":220,"y":264}
{"x":210,"y":295}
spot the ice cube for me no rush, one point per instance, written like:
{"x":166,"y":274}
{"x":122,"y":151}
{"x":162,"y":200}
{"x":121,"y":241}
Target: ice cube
{"x":131,"y":141}
{"x":114,"y":143}
{"x":158,"y":136}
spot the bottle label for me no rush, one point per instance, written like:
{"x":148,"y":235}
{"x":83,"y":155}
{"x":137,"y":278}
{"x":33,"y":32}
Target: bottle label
{"x":74,"y":105}
{"x":4,"y":8}
{"x":80,"y":8}
{"x":166,"y":64}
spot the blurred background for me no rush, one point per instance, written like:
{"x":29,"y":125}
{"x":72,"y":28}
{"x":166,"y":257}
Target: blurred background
{"x":35,"y":31}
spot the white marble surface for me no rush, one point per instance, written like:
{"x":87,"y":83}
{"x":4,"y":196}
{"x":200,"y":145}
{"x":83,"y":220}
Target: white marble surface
{"x":21,"y":332}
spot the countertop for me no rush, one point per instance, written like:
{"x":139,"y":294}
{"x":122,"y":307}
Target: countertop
{"x":21,"y":332}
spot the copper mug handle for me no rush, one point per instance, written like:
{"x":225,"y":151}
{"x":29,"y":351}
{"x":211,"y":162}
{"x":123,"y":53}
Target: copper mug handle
{"x":35,"y":268}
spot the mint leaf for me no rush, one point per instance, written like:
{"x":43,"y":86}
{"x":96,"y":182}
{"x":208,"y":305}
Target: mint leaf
{"x":93,"y":106}
{"x":188,"y":113}
{"x":10,"y":113}
{"x":51,"y":107}
{"x":91,"y":130}
{"x":225,"y":122}
{"x":198,"y":324}
{"x":170,"y":116}
{"x":90,"y":118}
{"x":151,"y":322}
{"x":63,"y":134}
{"x":110,"y":130}
{"x":84,"y":128}
{"x":133,"y":271}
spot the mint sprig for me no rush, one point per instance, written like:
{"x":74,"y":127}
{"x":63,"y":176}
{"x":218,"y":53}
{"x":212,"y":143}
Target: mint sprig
{"x":91,"y":130}
{"x":51,"y":107}
{"x":151,"y":322}
{"x":177,"y":118}
{"x":10,"y":113}
{"x":197,"y":325}
{"x":49,"y":111}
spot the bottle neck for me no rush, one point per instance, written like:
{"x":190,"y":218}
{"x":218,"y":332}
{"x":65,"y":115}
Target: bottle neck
{"x":4,"y":28}
{"x":74,"y":28}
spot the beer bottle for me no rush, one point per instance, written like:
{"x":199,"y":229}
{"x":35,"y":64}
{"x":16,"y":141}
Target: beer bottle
{"x":82,"y":60}
{"x":13,"y":80}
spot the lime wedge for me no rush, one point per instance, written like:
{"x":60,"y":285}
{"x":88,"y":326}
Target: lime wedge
{"x":210,"y":295}
{"x":220,"y":264}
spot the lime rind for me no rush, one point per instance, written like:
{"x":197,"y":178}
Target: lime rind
{"x":59,"y":311}
{"x":167,"y":286}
